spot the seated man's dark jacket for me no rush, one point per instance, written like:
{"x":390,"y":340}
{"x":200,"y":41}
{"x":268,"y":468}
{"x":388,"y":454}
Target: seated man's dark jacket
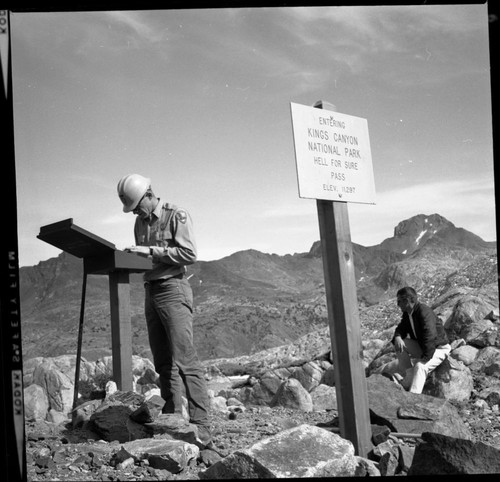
{"x":429,"y":330}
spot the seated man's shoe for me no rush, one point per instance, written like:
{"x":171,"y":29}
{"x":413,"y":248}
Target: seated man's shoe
{"x":397,"y":378}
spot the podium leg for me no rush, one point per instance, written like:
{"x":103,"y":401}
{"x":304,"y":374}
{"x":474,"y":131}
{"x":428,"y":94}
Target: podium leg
{"x":79,"y":347}
{"x":121,"y":329}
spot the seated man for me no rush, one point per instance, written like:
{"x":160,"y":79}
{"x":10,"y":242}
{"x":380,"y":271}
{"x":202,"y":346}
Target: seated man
{"x":420,"y":342}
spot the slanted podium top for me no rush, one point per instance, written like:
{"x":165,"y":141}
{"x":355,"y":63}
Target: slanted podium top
{"x":100,"y":256}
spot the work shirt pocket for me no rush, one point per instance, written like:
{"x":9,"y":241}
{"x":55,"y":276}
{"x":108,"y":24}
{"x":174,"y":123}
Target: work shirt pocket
{"x":166,"y":238}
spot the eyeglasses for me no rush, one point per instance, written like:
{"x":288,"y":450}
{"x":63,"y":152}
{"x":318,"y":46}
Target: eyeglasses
{"x":136,"y":209}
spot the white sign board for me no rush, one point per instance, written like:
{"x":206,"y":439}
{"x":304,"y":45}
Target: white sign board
{"x":333,"y":156}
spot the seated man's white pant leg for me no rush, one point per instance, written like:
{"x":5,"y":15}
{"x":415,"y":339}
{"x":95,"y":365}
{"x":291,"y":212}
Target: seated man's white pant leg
{"x":421,"y":370}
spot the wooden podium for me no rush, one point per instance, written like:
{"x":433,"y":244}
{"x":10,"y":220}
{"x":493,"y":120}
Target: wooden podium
{"x":102,"y":257}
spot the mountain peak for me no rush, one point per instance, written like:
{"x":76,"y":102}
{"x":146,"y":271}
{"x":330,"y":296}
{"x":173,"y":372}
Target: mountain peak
{"x":420,"y":225}
{"x":412,"y":234}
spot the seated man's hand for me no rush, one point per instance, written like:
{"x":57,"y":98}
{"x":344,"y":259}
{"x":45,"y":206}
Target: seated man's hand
{"x":399,"y":344}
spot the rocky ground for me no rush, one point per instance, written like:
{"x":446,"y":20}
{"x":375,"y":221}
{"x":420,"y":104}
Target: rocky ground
{"x":84,"y":457}
{"x":62,"y":453}
{"x":483,"y":421}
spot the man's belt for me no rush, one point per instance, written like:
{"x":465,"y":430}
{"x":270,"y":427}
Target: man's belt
{"x":159,"y":280}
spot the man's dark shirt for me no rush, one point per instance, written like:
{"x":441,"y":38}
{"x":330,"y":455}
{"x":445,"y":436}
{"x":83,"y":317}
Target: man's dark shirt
{"x":428,"y":327}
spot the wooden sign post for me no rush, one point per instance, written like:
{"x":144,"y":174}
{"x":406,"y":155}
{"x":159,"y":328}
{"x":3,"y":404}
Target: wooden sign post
{"x":326,"y":151}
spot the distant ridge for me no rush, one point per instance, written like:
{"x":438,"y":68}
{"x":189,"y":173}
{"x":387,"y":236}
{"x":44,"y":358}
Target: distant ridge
{"x":247,"y":301}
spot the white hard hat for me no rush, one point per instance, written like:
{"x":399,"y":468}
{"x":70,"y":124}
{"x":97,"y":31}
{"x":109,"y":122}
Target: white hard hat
{"x":131,"y":188}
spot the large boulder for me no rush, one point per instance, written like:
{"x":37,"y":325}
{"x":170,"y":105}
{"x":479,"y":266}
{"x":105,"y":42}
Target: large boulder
{"x":57,"y":384}
{"x":328,"y":376}
{"x":299,"y":452}
{"x":451,"y":380}
{"x":309,"y":375}
{"x":127,"y":416}
{"x":148,"y":410}
{"x":65,"y":364}
{"x":261,"y":391}
{"x":163,"y":453}
{"x":442,"y":455}
{"x":221,"y":384}
{"x":481,"y":333}
{"x":385,"y":355}
{"x":292,"y":394}
{"x":82,"y":413}
{"x":112,"y":421}
{"x":487,"y":361}
{"x":465,"y":353}
{"x":36,"y":403}
{"x":29,"y":366}
{"x":324,"y":397}
{"x":490,"y":393}
{"x":444,"y":305}
{"x":141,"y":367}
{"x":371,"y":348}
{"x":407,"y":412}
{"x":173,"y":426}
{"x":469,"y":316}
{"x":366,"y":468}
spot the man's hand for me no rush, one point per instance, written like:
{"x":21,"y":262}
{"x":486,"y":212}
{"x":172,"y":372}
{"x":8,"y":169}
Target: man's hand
{"x":399,"y":344}
{"x":139,"y":250}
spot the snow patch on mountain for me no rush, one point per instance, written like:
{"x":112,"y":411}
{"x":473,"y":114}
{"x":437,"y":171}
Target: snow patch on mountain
{"x":420,"y":235}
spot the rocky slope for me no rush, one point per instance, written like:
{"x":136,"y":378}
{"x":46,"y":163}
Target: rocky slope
{"x":248,"y":301}
{"x":87,"y":450}
{"x":261,"y":324}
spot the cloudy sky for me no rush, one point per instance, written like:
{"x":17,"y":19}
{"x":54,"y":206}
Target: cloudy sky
{"x":199,"y":101}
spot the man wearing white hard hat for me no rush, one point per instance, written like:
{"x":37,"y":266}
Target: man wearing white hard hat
{"x":164,"y":232}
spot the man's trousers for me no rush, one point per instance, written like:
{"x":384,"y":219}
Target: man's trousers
{"x":413,"y":372}
{"x":169,"y":317}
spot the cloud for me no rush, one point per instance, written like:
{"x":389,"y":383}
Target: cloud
{"x":106,"y":184}
{"x":138,"y":23}
{"x":467,"y":204}
{"x":464,"y":196}
{"x":362,"y":38}
{"x":381,"y":22}
{"x":115,"y":219}
{"x":296,"y":209}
